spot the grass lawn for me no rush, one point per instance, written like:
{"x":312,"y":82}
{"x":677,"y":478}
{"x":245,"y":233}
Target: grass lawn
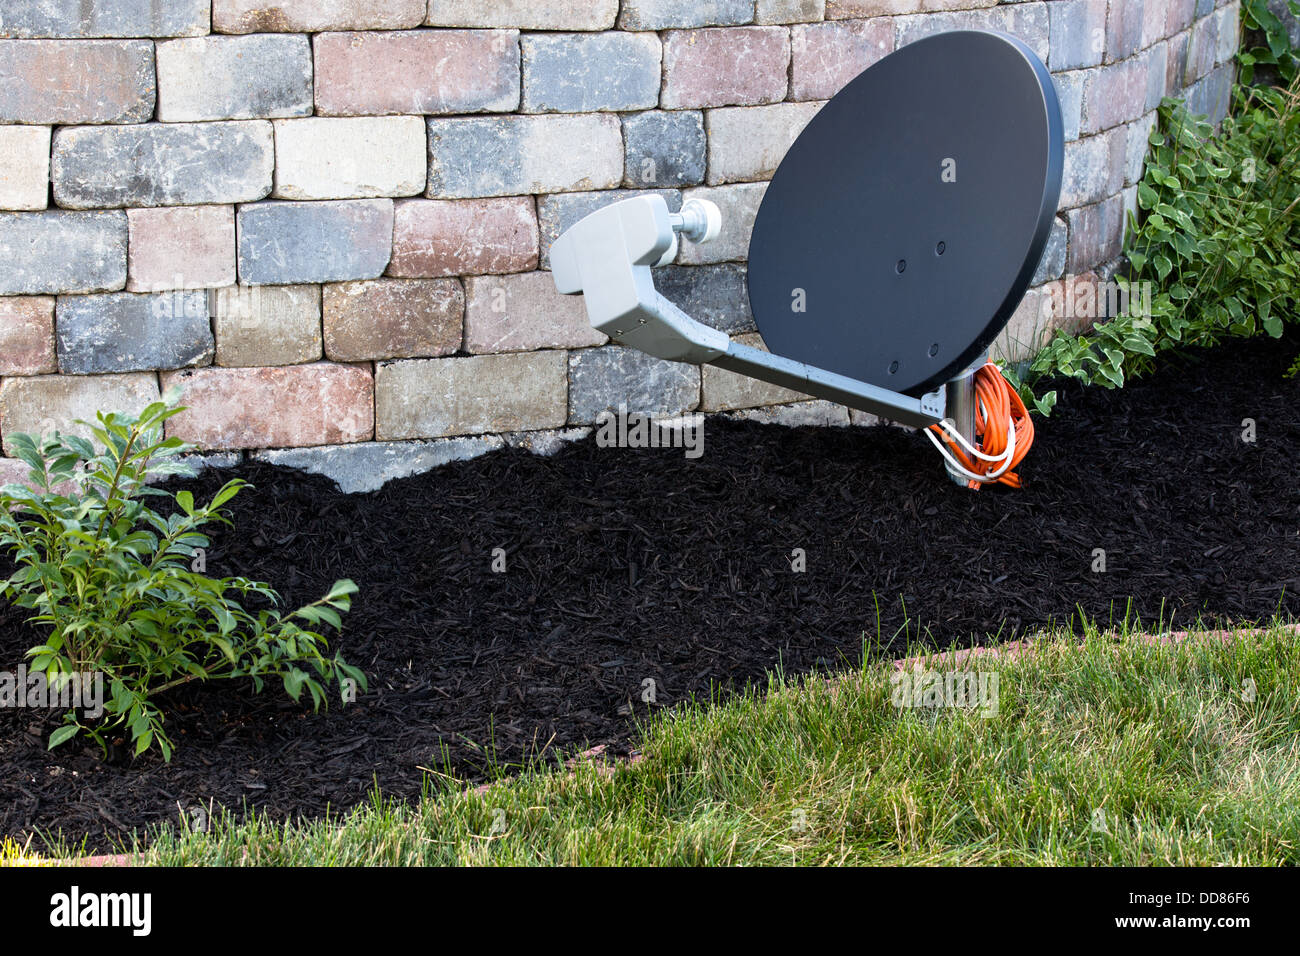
{"x":1117,"y":752}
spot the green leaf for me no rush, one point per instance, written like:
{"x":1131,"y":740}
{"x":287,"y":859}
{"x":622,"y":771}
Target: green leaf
{"x":63,"y":735}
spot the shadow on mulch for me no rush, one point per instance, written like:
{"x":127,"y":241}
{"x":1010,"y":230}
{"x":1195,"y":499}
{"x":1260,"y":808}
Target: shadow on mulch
{"x":633,"y":565}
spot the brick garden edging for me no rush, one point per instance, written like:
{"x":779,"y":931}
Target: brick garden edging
{"x":346,"y":210}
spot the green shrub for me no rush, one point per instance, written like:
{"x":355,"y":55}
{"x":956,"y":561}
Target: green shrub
{"x":113,"y":580}
{"x":1219,"y":239}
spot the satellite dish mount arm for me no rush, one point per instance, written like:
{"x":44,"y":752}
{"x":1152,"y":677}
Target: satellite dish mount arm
{"x":607,"y":257}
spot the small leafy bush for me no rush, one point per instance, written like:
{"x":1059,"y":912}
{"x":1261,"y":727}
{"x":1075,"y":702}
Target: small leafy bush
{"x":1219,"y":239}
{"x":114,"y":581}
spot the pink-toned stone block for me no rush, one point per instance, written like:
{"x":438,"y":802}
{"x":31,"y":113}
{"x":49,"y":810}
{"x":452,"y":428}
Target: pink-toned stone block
{"x":1113,"y":95}
{"x":433,"y":237}
{"x":825,"y":56}
{"x":419,"y":71}
{"x":76,"y":81}
{"x":522,"y":312}
{"x":392,"y":318}
{"x":1179,"y":15}
{"x":317,"y":404}
{"x":725,"y":66}
{"x":27,"y":335}
{"x":180,"y":247}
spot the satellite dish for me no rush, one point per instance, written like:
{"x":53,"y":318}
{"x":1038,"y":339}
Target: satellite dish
{"x":895,"y":241}
{"x":909,"y":217}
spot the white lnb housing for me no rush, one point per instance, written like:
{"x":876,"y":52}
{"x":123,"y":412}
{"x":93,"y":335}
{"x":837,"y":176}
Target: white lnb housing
{"x":607,"y":257}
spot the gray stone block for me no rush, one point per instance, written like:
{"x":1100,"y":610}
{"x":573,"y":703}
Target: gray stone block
{"x":1052,"y":265}
{"x":612,"y":376}
{"x":104,"y":18}
{"x":155,"y":164}
{"x":281,"y":243}
{"x":1078,"y":33}
{"x":583,"y":73}
{"x":62,"y":252}
{"x":664,"y":149}
{"x":517,"y":155}
{"x":669,"y":14}
{"x":236,"y":77}
{"x":716,"y":295}
{"x":368,"y":466}
{"x":126,"y":332}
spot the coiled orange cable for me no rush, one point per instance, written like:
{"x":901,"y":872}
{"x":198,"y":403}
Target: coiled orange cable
{"x":999,"y":414}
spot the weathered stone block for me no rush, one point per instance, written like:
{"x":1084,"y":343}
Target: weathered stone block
{"x":76,"y":81}
{"x":435,"y":398}
{"x":518,"y":313}
{"x":368,"y":466}
{"x":27,"y":335}
{"x":42,"y":404}
{"x":125,"y":332}
{"x":392,"y":318}
{"x":584,"y":73}
{"x":789,"y":11}
{"x":104,"y":18}
{"x":1124,"y":20}
{"x":349,"y":158}
{"x":723,"y":391}
{"x":517,"y":155}
{"x":613,"y":376}
{"x":669,"y":14}
{"x":1114,"y":94}
{"x":1096,"y":234}
{"x":61,"y":252}
{"x":1069,"y":92}
{"x":314,"y":16}
{"x":448,"y":237}
{"x":24,"y":167}
{"x":1094,"y":168}
{"x":725,"y":67}
{"x":281,"y":243}
{"x":739,"y":205}
{"x":1078,"y":33}
{"x":1053,"y":262}
{"x":240,"y":77}
{"x":180,"y":247}
{"x":1212,"y":94}
{"x":826,"y":56}
{"x":153,"y":164}
{"x":1201,"y":49}
{"x":297,"y":405}
{"x":266,"y":325}
{"x":421,"y":71}
{"x":1028,"y":21}
{"x":747,"y":143}
{"x":1179,"y":15}
{"x":716,"y":295}
{"x":524,"y":14}
{"x":664,"y":149}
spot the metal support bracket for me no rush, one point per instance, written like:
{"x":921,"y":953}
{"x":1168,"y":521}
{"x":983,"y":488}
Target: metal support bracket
{"x":607,"y":258}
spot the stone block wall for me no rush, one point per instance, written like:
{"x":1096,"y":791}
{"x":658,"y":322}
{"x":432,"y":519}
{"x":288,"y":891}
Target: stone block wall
{"x":330,"y":222}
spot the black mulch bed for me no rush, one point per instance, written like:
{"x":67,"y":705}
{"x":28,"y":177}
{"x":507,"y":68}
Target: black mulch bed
{"x":625,"y":565}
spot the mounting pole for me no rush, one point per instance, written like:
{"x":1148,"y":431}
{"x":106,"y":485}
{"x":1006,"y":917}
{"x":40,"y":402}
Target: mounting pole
{"x":961,"y":402}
